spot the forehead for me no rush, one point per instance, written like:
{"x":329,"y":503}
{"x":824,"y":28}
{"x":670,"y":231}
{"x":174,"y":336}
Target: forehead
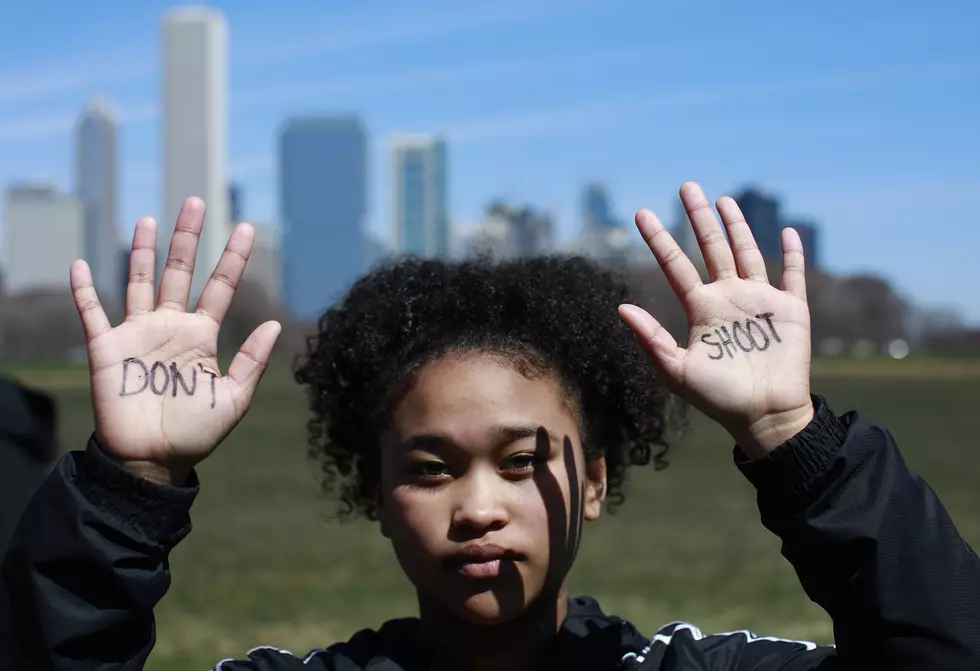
{"x":468,"y":395}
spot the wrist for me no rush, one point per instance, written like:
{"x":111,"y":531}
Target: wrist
{"x":131,"y":502}
{"x":772,"y":430}
{"x":157,"y":473}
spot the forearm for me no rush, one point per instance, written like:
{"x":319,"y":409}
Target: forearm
{"x":88,"y":563}
{"x":873,"y":545}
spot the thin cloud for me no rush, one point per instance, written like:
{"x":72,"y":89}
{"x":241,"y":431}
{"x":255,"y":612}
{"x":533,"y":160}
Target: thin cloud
{"x":56,"y":125}
{"x":56,"y":79}
{"x":36,"y":127}
{"x":543,"y":122}
{"x":590,"y":113}
{"x":297,"y":92}
{"x":407,"y":28}
{"x":18,"y":87}
{"x":594,"y":113}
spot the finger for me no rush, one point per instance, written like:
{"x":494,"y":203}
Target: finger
{"x":253,"y":358}
{"x":94,"y":320}
{"x":667,"y":356}
{"x":794,"y":267}
{"x":220,"y":289}
{"x":680,"y":272}
{"x":711,"y":238}
{"x":139,"y":290}
{"x":748,"y":258}
{"x":175,"y":285}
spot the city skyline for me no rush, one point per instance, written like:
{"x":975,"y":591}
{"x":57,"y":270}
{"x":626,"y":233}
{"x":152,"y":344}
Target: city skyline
{"x":873,"y":139}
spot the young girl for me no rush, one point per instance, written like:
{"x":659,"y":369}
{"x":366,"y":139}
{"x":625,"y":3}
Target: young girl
{"x":482,"y":413}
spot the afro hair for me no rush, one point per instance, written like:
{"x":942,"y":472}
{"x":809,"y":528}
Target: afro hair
{"x":552,"y":315}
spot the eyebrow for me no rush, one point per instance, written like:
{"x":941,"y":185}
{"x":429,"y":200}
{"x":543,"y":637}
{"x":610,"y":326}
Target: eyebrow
{"x":503,"y":434}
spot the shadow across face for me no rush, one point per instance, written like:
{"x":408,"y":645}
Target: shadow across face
{"x":564,"y":522}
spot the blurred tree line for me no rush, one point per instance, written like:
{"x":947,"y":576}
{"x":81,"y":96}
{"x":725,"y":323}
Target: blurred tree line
{"x":845,"y":312}
{"x":43,"y":326}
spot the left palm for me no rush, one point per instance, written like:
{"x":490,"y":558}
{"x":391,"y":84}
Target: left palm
{"x":747,"y":363}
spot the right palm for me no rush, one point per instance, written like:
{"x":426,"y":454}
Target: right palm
{"x":144,"y":414}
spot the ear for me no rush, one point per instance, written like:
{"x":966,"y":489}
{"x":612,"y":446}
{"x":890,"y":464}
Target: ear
{"x":595,"y":488}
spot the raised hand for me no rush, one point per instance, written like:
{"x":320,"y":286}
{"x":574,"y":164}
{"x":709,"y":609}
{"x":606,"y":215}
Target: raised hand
{"x":161,"y":404}
{"x":747,"y":363}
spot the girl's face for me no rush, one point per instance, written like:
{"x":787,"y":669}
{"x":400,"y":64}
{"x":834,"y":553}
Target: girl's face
{"x":485,"y":487}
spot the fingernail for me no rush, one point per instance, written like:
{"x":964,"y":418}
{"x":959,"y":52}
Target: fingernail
{"x":630,"y":310}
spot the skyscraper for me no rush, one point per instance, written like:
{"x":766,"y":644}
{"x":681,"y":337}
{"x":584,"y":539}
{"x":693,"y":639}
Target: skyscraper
{"x":235,"y":204}
{"x":323,"y":202}
{"x":95,"y":189}
{"x":529,"y":232}
{"x":762,"y":213}
{"x":195,"y":85}
{"x":809,"y":236}
{"x":419,"y":218}
{"x":265,"y":263}
{"x":42,"y":235}
{"x":596,"y":210}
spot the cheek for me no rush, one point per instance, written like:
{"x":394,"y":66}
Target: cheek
{"x":416,"y":517}
{"x":530,"y":511}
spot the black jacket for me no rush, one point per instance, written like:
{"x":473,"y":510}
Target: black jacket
{"x":28,"y":448}
{"x":870,"y":542}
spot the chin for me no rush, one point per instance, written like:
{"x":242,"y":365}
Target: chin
{"x":485,"y":602}
{"x":491,"y":607}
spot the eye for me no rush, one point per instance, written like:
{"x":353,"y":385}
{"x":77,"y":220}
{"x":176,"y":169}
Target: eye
{"x":521,"y":463}
{"x":430,"y":470}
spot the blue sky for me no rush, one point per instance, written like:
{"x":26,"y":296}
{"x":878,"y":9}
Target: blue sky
{"x":862,"y":115}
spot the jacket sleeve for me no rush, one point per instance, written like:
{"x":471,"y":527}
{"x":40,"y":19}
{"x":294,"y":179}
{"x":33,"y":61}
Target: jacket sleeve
{"x":86,"y":566}
{"x":871,"y":544}
{"x":88,"y":563}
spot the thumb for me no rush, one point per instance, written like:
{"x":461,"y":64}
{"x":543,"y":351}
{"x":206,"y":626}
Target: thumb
{"x":667,"y":357}
{"x":249,"y":364}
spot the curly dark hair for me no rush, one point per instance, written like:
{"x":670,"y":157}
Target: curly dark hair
{"x":547,"y":315}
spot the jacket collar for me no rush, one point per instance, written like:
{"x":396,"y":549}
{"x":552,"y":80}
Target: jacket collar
{"x":587,"y":639}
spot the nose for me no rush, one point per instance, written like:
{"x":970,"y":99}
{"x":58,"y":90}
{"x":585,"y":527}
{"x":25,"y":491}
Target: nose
{"x":480,"y":502}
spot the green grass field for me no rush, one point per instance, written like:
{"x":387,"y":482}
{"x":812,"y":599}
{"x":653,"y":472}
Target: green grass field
{"x":266,"y":565}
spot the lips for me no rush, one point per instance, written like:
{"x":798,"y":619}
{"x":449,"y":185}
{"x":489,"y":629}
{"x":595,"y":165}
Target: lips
{"x":481,"y":560}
